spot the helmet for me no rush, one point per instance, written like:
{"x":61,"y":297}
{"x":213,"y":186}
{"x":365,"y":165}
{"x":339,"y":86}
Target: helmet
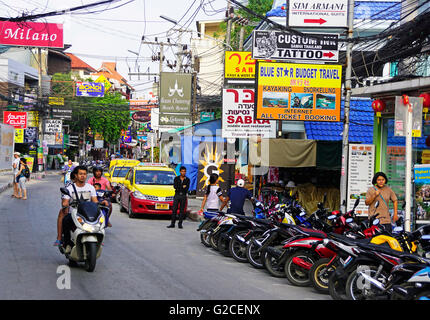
{"x":291,"y":184}
{"x":240,"y":183}
{"x":97,"y":168}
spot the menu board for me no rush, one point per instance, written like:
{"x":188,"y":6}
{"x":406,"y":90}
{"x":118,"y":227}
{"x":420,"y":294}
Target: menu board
{"x":361,"y":161}
{"x":396,"y":165}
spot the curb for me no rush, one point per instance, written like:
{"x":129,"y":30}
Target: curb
{"x":35,"y":176}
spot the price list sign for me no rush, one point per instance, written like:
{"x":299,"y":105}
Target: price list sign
{"x":360,"y":173}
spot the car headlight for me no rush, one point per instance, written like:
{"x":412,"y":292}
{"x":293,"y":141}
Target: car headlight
{"x":139,"y":195}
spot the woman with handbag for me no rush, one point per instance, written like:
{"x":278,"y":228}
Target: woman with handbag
{"x":382,"y":193}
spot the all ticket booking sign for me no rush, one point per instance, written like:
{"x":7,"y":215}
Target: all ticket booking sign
{"x":298,"y":92}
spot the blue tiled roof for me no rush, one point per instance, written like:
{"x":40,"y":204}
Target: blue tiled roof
{"x":374,"y":10}
{"x":360,"y":128}
{"x":417,"y":143}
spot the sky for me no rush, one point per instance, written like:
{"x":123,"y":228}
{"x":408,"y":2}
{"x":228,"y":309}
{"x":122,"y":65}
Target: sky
{"x":109,"y":34}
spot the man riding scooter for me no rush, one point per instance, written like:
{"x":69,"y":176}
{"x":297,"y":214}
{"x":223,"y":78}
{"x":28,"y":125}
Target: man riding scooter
{"x":67,"y":170}
{"x":237,"y":197}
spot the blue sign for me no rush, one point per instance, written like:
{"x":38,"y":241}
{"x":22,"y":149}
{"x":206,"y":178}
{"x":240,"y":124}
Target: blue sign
{"x":90,"y":89}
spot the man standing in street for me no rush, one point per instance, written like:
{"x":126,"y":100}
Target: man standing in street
{"x":181,"y":184}
{"x":15,"y":169}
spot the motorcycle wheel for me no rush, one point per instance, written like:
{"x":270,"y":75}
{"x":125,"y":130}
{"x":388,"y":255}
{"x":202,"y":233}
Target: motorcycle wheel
{"x":204,"y":238}
{"x":213,"y":240}
{"x":238,"y":249}
{"x":254,"y":257}
{"x":336,"y":287}
{"x":118,"y":197}
{"x":319,"y":275}
{"x":223,"y":245}
{"x":357,"y":289}
{"x":275,"y":269}
{"x":90,"y":262}
{"x":295,"y":274}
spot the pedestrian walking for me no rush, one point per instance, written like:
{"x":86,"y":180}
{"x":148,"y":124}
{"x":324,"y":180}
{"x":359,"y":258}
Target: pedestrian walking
{"x":15,"y":168}
{"x":181,"y":184}
{"x":381,"y":192}
{"x":21,"y":178}
{"x":213,"y":197}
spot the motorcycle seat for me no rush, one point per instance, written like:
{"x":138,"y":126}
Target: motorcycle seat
{"x":347,"y":240}
{"x":311,"y":232}
{"x":387,"y":250}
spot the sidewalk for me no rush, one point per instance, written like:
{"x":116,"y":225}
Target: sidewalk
{"x":6,"y":178}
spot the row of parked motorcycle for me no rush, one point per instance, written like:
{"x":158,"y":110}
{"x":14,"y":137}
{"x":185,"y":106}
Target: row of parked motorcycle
{"x":333,"y":252}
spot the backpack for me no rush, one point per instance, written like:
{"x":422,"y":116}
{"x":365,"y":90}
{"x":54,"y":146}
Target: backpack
{"x":26,"y":172}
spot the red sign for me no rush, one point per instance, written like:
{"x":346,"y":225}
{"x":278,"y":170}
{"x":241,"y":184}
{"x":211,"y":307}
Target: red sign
{"x":31,"y":34}
{"x":15,"y":119}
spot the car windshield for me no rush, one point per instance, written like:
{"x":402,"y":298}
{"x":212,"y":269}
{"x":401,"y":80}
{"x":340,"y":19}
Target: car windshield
{"x":154,"y":177}
{"x":120,"y":172}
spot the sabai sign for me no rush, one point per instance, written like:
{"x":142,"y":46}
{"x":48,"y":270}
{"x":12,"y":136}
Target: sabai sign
{"x":278,"y":45}
{"x":53,"y":126}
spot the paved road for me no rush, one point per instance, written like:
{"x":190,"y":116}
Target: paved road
{"x":142,"y":259}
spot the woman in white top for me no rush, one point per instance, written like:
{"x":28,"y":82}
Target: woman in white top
{"x":213,"y":197}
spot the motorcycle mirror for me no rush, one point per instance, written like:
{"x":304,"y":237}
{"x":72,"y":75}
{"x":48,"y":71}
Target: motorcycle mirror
{"x":302,"y":214}
{"x":376,"y":204}
{"x":65,"y":191}
{"x":356,"y":202}
{"x":376,"y":222}
{"x":398,"y":229}
{"x":331,"y":217}
{"x":349,"y":220}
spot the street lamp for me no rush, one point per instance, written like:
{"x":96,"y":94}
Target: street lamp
{"x":134,"y":52}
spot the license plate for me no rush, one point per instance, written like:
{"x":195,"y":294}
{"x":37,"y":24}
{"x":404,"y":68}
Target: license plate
{"x":162,"y":206}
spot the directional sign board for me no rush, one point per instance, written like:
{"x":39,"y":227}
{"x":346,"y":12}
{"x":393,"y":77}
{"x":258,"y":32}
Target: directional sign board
{"x":279,"y":45}
{"x":318,"y":13}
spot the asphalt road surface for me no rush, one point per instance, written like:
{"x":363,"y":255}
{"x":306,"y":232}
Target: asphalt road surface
{"x":141,"y":259}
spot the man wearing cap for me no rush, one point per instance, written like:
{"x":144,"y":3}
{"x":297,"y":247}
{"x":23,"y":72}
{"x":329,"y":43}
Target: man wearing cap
{"x":237,"y":196}
{"x":15,"y":168}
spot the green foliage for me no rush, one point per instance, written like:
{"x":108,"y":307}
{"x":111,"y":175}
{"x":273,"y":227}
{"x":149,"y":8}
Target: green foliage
{"x":107,"y":115}
{"x":260,"y":7}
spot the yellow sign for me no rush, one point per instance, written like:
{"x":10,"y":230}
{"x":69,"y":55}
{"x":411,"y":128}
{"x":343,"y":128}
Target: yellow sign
{"x":239,"y":65}
{"x":103,"y":79}
{"x":19,"y":135}
{"x":32,"y":119}
{"x":30,"y":163}
{"x":298,"y":92}
{"x":58,"y":101}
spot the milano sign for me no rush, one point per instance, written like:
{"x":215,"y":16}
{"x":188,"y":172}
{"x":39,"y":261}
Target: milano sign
{"x":31,"y":34}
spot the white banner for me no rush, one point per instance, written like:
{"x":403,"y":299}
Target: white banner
{"x":53,"y":126}
{"x":238,"y":116}
{"x":7,"y":134}
{"x":361,"y":161}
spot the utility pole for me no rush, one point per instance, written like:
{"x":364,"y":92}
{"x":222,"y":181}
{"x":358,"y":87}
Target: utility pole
{"x":40,"y":98}
{"x":241,"y":38}
{"x":229,"y":11}
{"x":347,"y":103}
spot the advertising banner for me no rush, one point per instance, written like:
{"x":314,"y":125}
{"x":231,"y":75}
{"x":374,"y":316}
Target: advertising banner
{"x":62,"y":113}
{"x":299,"y":92}
{"x":239,"y":65}
{"x":58,"y":101}
{"x":317,"y":13}
{"x":360,"y":173}
{"x":280,"y":45}
{"x":175,"y":92}
{"x":16,"y":119}
{"x":102,"y":79}
{"x":238,"y":116}
{"x":53,"y":126}
{"x":31,"y":34}
{"x":174,"y":119}
{"x":6,"y":146}
{"x":30,"y":135}
{"x":400,"y":116}
{"x":19,"y":135}
{"x":32,"y":119}
{"x":90,"y":89}
{"x":422,"y":191}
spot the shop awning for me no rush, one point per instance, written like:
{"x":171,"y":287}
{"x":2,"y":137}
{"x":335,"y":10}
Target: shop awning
{"x":285,"y":153}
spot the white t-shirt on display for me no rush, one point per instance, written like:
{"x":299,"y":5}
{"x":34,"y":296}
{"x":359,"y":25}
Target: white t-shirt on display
{"x":84,"y":193}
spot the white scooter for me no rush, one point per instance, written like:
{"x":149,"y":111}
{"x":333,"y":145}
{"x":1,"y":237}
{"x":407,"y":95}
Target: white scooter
{"x":87,"y":234}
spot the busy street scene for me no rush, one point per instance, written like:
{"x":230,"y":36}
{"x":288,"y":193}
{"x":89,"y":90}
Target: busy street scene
{"x":215,"y":150}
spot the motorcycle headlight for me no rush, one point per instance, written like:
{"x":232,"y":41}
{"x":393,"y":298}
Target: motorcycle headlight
{"x":139,"y":195}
